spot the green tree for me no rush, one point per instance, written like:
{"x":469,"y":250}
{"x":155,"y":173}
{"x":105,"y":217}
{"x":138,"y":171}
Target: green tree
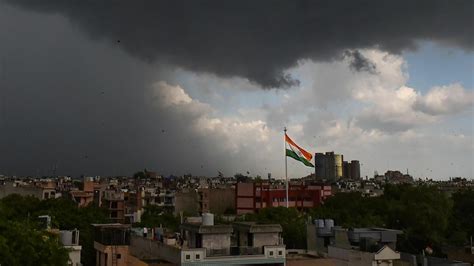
{"x":23,"y":245}
{"x":462,"y":219}
{"x":351,"y":210}
{"x":155,"y":216}
{"x":422,"y":212}
{"x":64,"y":213}
{"x":17,"y":208}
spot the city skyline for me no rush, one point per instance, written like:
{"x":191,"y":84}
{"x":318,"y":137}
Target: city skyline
{"x":99,"y":98}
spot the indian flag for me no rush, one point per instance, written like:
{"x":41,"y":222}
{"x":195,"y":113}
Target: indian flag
{"x":296,"y":152}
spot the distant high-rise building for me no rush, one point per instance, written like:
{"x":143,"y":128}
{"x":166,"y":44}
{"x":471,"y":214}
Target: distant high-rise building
{"x":328,"y":166}
{"x":338,"y":159}
{"x":355,"y":169}
{"x":331,"y":166}
{"x":320,"y":165}
{"x":346,"y":170}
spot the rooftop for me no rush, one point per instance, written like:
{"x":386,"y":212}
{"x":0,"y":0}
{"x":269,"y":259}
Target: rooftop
{"x":207,"y":229}
{"x":253,"y":227}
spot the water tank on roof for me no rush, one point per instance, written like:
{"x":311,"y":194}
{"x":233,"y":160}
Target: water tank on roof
{"x":207,"y":219}
{"x":66,"y":237}
{"x":329,"y":223}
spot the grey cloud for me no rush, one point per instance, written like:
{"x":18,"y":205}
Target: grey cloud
{"x":445,"y":100}
{"x":259,"y":40}
{"x":359,"y":62}
{"x":372,"y":120}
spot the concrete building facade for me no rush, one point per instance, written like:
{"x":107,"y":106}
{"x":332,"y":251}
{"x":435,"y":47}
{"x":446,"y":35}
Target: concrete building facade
{"x":203,"y":243}
{"x":250,"y":197}
{"x":216,"y":200}
{"x":111,"y":242}
{"x":114,"y":201}
{"x":70,"y":241}
{"x":331,"y":167}
{"x":42,"y":190}
{"x":355,"y":169}
{"x":328,"y":166}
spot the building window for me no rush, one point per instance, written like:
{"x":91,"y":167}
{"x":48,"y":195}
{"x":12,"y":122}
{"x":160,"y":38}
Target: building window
{"x":280,"y":253}
{"x":113,"y":214}
{"x":198,"y":256}
{"x":113,"y":205}
{"x":271,"y":253}
{"x":188,"y":257}
{"x":119,"y":256}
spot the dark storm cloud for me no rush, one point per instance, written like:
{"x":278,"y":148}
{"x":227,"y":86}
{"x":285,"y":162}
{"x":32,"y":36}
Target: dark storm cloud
{"x":359,"y":62}
{"x":81,"y":105}
{"x":258,"y":40}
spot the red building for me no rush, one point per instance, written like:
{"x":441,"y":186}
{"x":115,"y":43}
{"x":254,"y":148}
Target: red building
{"x":250,"y":197}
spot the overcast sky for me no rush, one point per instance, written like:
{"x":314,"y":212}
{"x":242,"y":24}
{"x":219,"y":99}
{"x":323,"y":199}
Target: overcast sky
{"x":110,"y":87}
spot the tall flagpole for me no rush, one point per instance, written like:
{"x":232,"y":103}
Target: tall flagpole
{"x":286,"y":171}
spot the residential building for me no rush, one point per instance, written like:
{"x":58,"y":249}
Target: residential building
{"x":114,"y":201}
{"x":187,"y":201}
{"x":204,"y":243}
{"x":42,"y":189}
{"x":82,"y":198}
{"x":111,"y":242}
{"x":397,"y":177}
{"x":216,"y":200}
{"x":70,"y":241}
{"x":134,"y":205}
{"x":322,"y":233}
{"x":355,"y":246}
{"x":367,"y":246}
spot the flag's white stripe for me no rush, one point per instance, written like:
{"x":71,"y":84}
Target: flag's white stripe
{"x":298,"y":151}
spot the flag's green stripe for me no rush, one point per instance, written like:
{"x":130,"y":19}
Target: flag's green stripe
{"x":292,"y":154}
{"x":295,"y":156}
{"x":301,"y":158}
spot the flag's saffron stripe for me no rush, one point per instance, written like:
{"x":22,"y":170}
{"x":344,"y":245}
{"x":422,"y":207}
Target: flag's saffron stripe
{"x":306,"y":154}
{"x":295,"y":156}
